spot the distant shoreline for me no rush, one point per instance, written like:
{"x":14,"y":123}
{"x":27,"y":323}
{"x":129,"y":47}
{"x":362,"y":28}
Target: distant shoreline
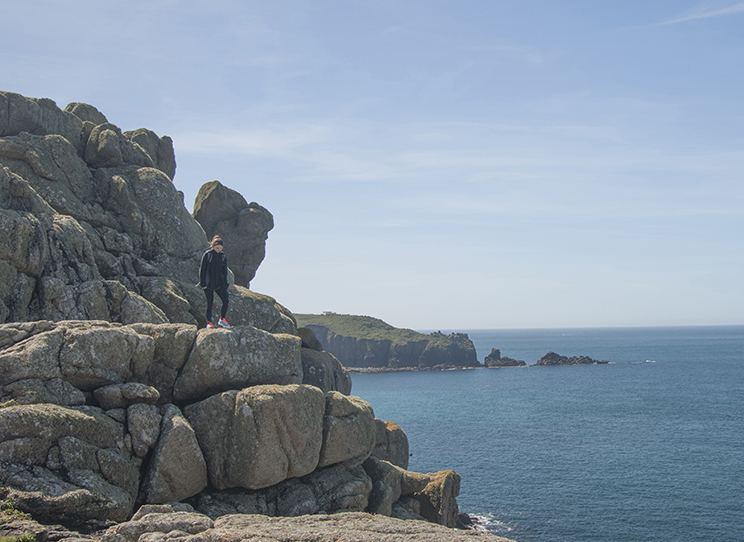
{"x":408,"y":369}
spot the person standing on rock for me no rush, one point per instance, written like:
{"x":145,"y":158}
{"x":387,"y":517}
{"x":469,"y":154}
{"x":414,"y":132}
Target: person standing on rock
{"x":213,"y":278}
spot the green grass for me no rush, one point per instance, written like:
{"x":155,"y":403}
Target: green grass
{"x":9,"y":512}
{"x":367,"y":327}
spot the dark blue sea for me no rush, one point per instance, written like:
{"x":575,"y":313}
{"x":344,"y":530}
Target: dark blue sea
{"x":647,"y":448}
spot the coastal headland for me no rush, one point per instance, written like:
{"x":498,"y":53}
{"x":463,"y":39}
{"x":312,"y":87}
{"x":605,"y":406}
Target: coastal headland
{"x":367,"y":342}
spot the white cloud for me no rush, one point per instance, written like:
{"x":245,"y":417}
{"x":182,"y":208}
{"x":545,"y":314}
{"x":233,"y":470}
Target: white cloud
{"x":280,"y":142}
{"x":705,"y":11}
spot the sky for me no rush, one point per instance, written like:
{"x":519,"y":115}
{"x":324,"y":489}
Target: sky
{"x":438,"y":164}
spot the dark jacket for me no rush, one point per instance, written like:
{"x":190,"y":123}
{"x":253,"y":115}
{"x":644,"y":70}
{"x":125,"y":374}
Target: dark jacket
{"x":213,"y":270}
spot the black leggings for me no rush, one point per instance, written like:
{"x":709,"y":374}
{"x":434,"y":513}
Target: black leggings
{"x":222,"y":292}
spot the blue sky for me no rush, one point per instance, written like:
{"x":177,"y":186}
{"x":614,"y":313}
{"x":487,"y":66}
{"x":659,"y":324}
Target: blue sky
{"x":439,"y":164}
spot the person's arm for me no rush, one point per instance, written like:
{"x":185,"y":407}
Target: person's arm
{"x":224,"y":270}
{"x":203,"y":271}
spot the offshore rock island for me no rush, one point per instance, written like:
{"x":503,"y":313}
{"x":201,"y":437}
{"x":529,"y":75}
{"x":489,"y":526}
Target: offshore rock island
{"x":121,"y":416}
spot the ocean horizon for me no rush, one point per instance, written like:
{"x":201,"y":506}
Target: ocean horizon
{"x":647,"y":447}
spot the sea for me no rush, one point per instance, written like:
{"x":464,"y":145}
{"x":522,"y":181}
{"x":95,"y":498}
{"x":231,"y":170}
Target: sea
{"x":649,"y":447}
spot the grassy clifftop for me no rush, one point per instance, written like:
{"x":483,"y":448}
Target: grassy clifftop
{"x":363,"y":341}
{"x":367,"y":327}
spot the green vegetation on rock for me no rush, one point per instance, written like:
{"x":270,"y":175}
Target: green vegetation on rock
{"x":9,"y":512}
{"x":367,"y":327}
{"x":364,"y":341}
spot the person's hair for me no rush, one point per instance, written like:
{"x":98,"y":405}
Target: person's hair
{"x":216,"y":240}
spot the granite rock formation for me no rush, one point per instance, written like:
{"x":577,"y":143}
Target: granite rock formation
{"x":243,"y":226}
{"x":494,"y":360}
{"x":94,"y":228}
{"x":551,"y":359}
{"x":183,"y":522}
{"x":112,"y":399}
{"x":95,"y":421}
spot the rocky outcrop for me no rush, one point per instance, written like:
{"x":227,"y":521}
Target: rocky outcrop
{"x":363,"y":341}
{"x":112,"y":398}
{"x":266,"y":434}
{"x":494,"y":360}
{"x":391,"y":443}
{"x":183,"y":522}
{"x":229,"y":359}
{"x":321,"y":368}
{"x":99,"y":417}
{"x":551,"y":359}
{"x":243,"y":226}
{"x":94,"y":228}
{"x":437,"y":500}
{"x":189,"y":526}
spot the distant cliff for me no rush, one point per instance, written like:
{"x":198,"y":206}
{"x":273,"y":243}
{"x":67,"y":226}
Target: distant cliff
{"x":363,"y":341}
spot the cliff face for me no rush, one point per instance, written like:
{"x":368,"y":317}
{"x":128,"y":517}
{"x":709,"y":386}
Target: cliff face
{"x":362,"y":341}
{"x":112,"y":398}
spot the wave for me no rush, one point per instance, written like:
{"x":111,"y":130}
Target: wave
{"x":488,"y":523}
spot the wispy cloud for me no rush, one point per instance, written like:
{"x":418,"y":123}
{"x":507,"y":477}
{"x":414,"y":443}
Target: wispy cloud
{"x":278,"y":142}
{"x":705,"y":11}
{"x":522,"y":53}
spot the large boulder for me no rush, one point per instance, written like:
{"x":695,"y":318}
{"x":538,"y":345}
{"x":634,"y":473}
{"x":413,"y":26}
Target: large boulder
{"x":120,"y":365}
{"x":331,"y":490}
{"x":66,"y":464}
{"x":323,"y":370}
{"x":438,"y":500}
{"x":391,"y":443}
{"x":172,"y":345}
{"x":244,"y":227}
{"x":390,"y":483}
{"x":259,"y":436}
{"x":348,"y":430}
{"x":230,"y":359}
{"x":159,"y":149}
{"x":37,"y":116}
{"x":177,"y":469}
{"x":93,"y":357}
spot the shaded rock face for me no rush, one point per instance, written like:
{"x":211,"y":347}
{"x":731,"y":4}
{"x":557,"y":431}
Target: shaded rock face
{"x":494,"y":359}
{"x":391,"y":443}
{"x":243,"y":226}
{"x":323,"y":370}
{"x":66,"y":463}
{"x":93,"y":227}
{"x":424,"y":353}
